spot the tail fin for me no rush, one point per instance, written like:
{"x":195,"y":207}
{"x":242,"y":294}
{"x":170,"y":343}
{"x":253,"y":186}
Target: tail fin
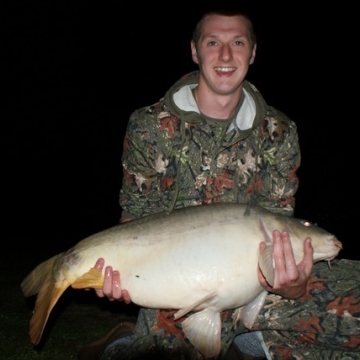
{"x":32,"y":284}
{"x":41,"y":281}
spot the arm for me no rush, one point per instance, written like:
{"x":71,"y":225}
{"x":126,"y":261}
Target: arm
{"x":278,"y":195}
{"x":281,"y":158}
{"x":149,"y":162}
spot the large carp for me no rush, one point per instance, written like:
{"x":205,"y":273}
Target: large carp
{"x":200,"y":259}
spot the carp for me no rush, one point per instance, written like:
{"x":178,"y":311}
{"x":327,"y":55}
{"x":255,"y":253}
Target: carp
{"x":200,"y":259}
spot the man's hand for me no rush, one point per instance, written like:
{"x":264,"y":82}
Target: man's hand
{"x":112,"y":286}
{"x":290,"y":279}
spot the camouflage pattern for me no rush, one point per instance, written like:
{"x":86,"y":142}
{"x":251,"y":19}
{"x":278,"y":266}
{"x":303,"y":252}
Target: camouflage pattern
{"x":323,"y":324}
{"x":174,"y":158}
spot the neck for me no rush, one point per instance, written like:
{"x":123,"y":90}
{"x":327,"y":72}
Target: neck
{"x":215,"y":105}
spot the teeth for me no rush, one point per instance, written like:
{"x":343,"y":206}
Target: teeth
{"x":224,"y":69}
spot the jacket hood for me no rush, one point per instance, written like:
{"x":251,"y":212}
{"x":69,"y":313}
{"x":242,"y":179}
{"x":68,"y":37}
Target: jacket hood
{"x":251,"y":112}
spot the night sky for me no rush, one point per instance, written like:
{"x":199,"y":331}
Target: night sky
{"x":75,"y":70}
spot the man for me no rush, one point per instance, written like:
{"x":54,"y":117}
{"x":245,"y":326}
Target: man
{"x":212,"y":138}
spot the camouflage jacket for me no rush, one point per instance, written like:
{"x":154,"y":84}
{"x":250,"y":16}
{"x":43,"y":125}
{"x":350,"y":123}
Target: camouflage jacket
{"x":174,"y":157}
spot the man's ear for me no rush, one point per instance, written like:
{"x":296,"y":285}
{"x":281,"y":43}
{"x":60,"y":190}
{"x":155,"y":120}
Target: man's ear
{"x":194,"y":54}
{"x":253,"y":54}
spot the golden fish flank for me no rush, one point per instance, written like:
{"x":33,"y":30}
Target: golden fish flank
{"x":216,"y":251}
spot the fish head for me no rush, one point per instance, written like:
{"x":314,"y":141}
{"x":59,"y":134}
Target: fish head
{"x":326,"y":246}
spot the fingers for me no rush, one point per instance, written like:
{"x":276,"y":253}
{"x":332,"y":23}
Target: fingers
{"x":288,"y":255}
{"x":262,"y":246}
{"x":107,"y":286}
{"x":280,"y":262}
{"x":126,"y":296}
{"x":112,"y":285}
{"x":307,"y":263}
{"x":308,"y":249}
{"x":110,"y":281}
{"x":286,"y":270}
{"x":290,"y":278}
{"x":99,"y":264}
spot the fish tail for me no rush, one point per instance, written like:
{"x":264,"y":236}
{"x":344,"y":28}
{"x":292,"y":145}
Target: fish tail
{"x":41,"y":282}
{"x":32,"y":284}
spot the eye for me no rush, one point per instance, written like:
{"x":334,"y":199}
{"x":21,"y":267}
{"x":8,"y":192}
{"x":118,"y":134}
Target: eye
{"x":212,"y":43}
{"x":307,"y":223}
{"x":239,"y":43}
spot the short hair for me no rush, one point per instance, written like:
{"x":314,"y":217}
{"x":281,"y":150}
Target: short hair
{"x":225,"y":11}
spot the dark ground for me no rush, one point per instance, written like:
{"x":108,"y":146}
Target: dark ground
{"x":74,"y":71}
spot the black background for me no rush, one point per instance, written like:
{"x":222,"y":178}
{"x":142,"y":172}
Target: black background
{"x":75,"y":70}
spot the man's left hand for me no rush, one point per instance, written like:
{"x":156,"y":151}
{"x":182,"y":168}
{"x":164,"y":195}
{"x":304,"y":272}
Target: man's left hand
{"x":290,"y":279}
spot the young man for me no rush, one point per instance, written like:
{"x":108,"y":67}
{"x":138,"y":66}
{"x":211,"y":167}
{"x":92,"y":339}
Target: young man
{"x":213,"y":138}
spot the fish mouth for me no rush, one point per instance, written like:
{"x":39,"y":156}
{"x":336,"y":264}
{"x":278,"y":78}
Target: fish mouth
{"x":337,"y":245}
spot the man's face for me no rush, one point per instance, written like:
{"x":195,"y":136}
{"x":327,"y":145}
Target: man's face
{"x":224,"y":53}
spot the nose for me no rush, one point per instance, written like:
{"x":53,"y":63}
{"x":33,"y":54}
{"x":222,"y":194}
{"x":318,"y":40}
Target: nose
{"x":225,"y":52}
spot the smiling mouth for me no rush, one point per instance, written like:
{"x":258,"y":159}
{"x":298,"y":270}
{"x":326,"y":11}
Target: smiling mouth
{"x":225,"y":69}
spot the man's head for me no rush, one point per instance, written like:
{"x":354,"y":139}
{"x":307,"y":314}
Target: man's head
{"x":224,"y":46}
{"x":225,"y":12}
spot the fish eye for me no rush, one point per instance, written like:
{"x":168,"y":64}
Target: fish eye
{"x":306,"y":223}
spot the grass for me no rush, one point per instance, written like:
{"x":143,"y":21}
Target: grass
{"x":78,"y":318}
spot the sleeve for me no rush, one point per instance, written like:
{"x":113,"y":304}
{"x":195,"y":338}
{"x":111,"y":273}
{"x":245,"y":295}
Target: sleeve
{"x":281,"y":159}
{"x":146,"y":184}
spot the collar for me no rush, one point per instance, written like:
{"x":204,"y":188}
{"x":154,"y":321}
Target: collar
{"x":184,"y":100}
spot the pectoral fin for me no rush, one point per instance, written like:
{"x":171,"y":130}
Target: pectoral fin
{"x":203,"y":329}
{"x":193,"y":306}
{"x":248,"y":313}
{"x":92,"y":279}
{"x":266,"y":264}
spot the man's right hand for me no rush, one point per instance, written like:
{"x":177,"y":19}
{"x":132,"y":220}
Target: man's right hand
{"x":112,"y":286}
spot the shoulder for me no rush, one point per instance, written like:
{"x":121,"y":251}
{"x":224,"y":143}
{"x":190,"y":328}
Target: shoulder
{"x":147,"y":114}
{"x":262,"y":106}
{"x":279,"y":119}
{"x":154,"y":121}
{"x":150,"y":111}
{"x":274,"y":112}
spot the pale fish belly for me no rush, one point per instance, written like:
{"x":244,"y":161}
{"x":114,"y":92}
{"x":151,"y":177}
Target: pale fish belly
{"x":186,"y":267}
